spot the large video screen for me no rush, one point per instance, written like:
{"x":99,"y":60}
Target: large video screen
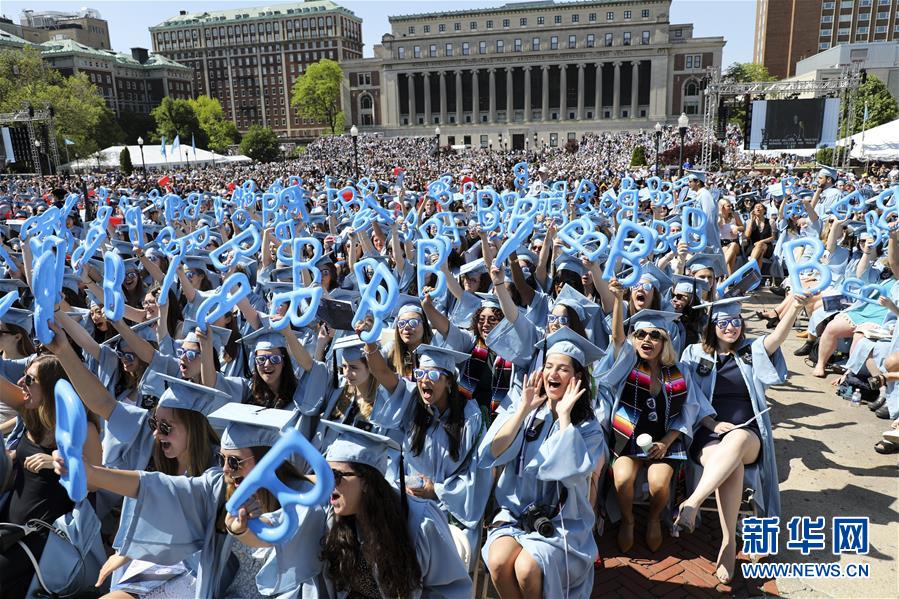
{"x":793,"y":124}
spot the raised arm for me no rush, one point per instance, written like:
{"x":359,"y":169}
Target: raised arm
{"x":506,"y":304}
{"x":187,"y":288}
{"x":835,"y":233}
{"x":78,"y":334}
{"x":151,"y":267}
{"x":208,"y":374}
{"x":618,"y":336}
{"x":452,"y":284}
{"x":140,"y":346}
{"x":296,"y":349}
{"x":399,"y":257}
{"x":526,"y":291}
{"x":437,"y":319}
{"x":545,"y":253}
{"x":95,"y":396}
{"x":378,"y":366}
{"x":782,"y":331}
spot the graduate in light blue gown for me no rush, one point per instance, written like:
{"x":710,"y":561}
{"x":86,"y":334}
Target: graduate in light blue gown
{"x":179,"y":519}
{"x":441,"y":430}
{"x":548,"y":443}
{"x":382,"y":542}
{"x":734,"y":373}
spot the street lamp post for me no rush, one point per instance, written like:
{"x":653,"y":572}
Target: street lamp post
{"x":140,"y":144}
{"x":682,"y":124}
{"x":437,"y":146}
{"x":354,"y":133}
{"x":658,"y":136}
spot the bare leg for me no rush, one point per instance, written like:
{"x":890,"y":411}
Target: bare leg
{"x":625,"y":470}
{"x":729,"y":495}
{"x":658,"y":474}
{"x":838,"y":328}
{"x":501,"y":560}
{"x":529,"y":575}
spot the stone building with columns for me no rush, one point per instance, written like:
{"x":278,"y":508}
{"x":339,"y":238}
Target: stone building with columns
{"x":530,"y":72}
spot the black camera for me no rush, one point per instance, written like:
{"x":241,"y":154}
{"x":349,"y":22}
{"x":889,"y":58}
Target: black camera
{"x":536,"y":518}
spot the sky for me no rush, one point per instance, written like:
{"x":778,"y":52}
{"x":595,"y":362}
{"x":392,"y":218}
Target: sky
{"x":129,"y":20}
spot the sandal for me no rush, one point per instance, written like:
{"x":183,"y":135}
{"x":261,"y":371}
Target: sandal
{"x":679,"y":525}
{"x":886,"y":448}
{"x":876,"y":382}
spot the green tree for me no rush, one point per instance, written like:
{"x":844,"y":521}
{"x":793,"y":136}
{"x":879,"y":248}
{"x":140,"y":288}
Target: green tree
{"x":137,"y":124}
{"x":177,"y":117}
{"x":824,"y":156}
{"x":81,"y":114}
{"x":744,"y":72}
{"x":260,"y":143}
{"x":881,"y":105}
{"x":125,"y":161}
{"x":638,"y":156}
{"x":316,"y":93}
{"x":220,"y":131}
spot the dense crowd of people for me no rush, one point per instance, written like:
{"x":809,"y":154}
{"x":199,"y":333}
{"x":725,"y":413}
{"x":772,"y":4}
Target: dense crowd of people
{"x":279,"y":380}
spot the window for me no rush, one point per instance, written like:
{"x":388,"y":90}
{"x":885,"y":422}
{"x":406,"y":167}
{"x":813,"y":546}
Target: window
{"x":500,"y":46}
{"x":883,"y":15}
{"x":864,"y":16}
{"x":489,"y":24}
{"x":572,"y":41}
{"x":863,"y":29}
{"x":678,"y":33}
{"x":823,"y":46}
{"x":829,"y":5}
{"x":627,"y":38}
{"x":644,"y":13}
{"x":846,"y":3}
{"x":448,"y":50}
{"x":484,"y":141}
{"x":846,"y":18}
{"x":517,"y":47}
{"x":541,"y":20}
{"x":644,"y":38}
{"x":523,"y":21}
{"x":591,"y":40}
{"x":473,"y":26}
{"x":864,"y":3}
{"x":575,"y":18}
{"x":843,"y":31}
{"x":608,"y":40}
{"x":427,"y":28}
{"x":432,"y":51}
{"x":592,"y":17}
{"x":482,"y":48}
{"x":441,"y":28}
{"x":827,"y":19}
{"x":554,"y":140}
{"x":691,"y":89}
{"x":465,"y":49}
{"x":554,"y":42}
{"x":880,"y":29}
{"x":416,"y":51}
{"x":401,"y":53}
{"x":535,"y":44}
{"x":627,"y":15}
{"x":411,"y":30}
{"x":826,"y":32}
{"x":457,"y":26}
{"x":557,"y":19}
{"x":506,"y":23}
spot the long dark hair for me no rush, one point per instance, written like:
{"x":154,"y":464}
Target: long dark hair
{"x":286,"y":473}
{"x":582,"y":410}
{"x":421,"y":420}
{"x":287,"y":386}
{"x":574,"y":321}
{"x":388,"y":546}
{"x":710,"y":339}
{"x":200,"y":439}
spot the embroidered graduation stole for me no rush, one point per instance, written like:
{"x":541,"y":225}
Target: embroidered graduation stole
{"x":627,"y":414}
{"x":486,"y":379}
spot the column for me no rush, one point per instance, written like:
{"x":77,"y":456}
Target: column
{"x":442,"y":97}
{"x":527,"y":94}
{"x":427,"y":91}
{"x":491,"y":73}
{"x":458,"y":97}
{"x":597,"y":102}
{"x":475,"y":98}
{"x":410,"y":80}
{"x":509,"y":100}
{"x":580,"y":91}
{"x":616,"y":92}
{"x":635,"y":67}
{"x":545,"y":103}
{"x":563,"y":92}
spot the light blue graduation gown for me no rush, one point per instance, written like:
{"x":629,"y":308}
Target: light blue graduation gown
{"x":175,"y":517}
{"x":764,"y":372}
{"x":462,"y":488}
{"x":535,"y":472}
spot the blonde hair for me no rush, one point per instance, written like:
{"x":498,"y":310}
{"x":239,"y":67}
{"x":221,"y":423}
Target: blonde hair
{"x":667,"y":357}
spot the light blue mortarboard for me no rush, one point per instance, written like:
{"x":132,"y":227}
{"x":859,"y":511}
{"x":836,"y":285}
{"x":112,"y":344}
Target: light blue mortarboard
{"x":264,"y":338}
{"x":407,"y":303}
{"x":725,"y":308}
{"x":431,"y":356}
{"x":24,"y":319}
{"x":524,"y":253}
{"x":715,"y":262}
{"x":137,"y":327}
{"x":684,"y":284}
{"x":697,"y":175}
{"x":473,"y":268}
{"x":348,"y":348}
{"x":220,"y":335}
{"x":187,"y":395}
{"x":574,"y":300}
{"x":566,"y":342}
{"x":7,"y":285}
{"x":566,"y":262}
{"x":248,"y":425}
{"x":828,"y":171}
{"x":356,"y":446}
{"x":652,"y":319}
{"x":654,"y":275}
{"x":489,"y":300}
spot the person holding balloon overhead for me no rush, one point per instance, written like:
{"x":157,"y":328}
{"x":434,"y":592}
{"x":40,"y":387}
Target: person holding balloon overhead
{"x":33,"y":489}
{"x":179,"y":519}
{"x":384,"y":542}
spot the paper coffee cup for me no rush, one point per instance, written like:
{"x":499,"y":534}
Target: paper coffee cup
{"x":645,"y":442}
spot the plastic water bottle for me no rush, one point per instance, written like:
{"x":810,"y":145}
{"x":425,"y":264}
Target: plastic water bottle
{"x":856,"y":399}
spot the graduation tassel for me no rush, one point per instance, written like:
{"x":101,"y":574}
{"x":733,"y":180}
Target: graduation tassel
{"x":403,"y":498}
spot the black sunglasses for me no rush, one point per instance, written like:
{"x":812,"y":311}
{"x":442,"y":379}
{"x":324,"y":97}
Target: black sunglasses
{"x":339,"y":475}
{"x":232,"y":461}
{"x":643,"y":334}
{"x":30,"y":380}
{"x":165,"y":428}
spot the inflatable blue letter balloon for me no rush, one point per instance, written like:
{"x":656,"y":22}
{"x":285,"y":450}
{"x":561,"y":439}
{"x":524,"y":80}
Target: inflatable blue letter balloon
{"x":859,"y":291}
{"x":263,"y":476}
{"x":113,"y":277}
{"x":431,"y":254}
{"x":375,"y":299}
{"x":812,"y":264}
{"x":71,"y":433}
{"x":579,"y":234}
{"x":302,"y":306}
{"x":235,"y":288}
{"x":644,"y":242}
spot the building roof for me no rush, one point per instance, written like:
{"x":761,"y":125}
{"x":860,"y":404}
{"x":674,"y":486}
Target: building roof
{"x":8,"y":39}
{"x":257,"y":12}
{"x":505,"y":8}
{"x":67,"y":46}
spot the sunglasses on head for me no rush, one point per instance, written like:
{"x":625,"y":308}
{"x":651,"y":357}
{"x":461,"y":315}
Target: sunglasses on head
{"x":164,"y":427}
{"x":190,"y":354}
{"x":643,"y":334}
{"x":735,"y":322}
{"x":339,"y":475}
{"x":561,"y":320}
{"x":432,"y":374}
{"x":408,"y":323}
{"x":233,"y":462}
{"x":126,"y":356}
{"x":273,"y":358}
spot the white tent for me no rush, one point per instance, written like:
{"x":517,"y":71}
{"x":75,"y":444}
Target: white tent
{"x":153,"y":158}
{"x":879,"y":143}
